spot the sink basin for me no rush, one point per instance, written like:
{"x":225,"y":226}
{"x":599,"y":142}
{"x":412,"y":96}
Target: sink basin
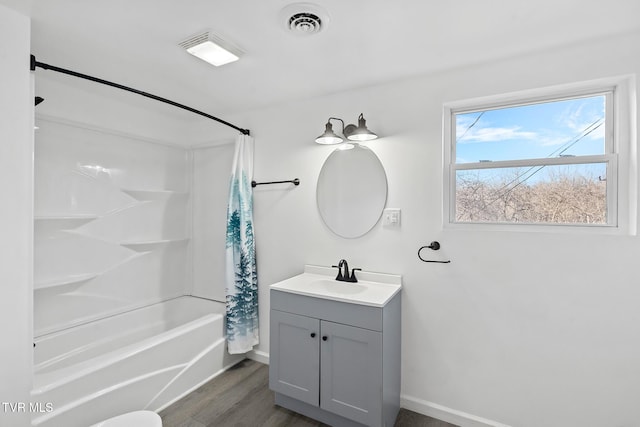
{"x":334,"y":286}
{"x":373,"y":289}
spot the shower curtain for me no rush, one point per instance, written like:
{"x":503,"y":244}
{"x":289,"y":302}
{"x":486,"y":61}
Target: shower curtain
{"x":241,"y":273}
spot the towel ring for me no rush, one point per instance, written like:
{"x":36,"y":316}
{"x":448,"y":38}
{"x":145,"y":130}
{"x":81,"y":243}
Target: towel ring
{"x":433,"y":246}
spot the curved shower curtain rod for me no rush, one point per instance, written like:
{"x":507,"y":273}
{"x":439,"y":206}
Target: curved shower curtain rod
{"x":44,"y":66}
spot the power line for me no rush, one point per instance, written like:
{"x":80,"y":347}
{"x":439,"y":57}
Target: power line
{"x":470,"y":126}
{"x":583,"y":134}
{"x":561,"y":150}
{"x":560,"y":153}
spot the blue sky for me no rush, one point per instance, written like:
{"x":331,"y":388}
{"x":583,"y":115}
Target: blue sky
{"x":532,"y":131}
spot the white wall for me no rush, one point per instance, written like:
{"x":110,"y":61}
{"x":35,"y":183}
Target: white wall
{"x":16,"y":156}
{"x":526,"y":329}
{"x":103,"y":107}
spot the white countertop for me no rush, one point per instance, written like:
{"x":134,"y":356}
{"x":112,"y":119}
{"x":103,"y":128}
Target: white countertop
{"x":372,"y":289}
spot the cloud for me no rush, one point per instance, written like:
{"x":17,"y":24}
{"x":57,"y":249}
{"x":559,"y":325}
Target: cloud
{"x":579,"y":118}
{"x":478,"y":134}
{"x":551,"y":128}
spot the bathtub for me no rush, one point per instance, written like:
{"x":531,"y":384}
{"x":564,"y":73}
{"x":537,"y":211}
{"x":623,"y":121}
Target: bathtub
{"x":142,"y":359}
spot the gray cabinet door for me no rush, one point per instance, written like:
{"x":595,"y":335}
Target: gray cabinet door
{"x":351,"y":374}
{"x":294,"y":361}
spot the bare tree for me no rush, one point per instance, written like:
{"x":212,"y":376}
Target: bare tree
{"x":560,"y":198}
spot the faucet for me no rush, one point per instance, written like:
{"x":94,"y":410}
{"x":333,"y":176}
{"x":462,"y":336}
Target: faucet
{"x":345,"y":277}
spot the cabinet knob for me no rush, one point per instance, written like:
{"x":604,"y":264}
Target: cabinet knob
{"x":324,"y":338}
{"x":313,"y":334}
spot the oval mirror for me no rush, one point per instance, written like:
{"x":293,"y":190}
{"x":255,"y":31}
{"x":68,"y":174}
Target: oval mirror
{"x":352,"y":190}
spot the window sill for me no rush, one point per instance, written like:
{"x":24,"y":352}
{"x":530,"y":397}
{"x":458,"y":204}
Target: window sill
{"x":610,"y":230}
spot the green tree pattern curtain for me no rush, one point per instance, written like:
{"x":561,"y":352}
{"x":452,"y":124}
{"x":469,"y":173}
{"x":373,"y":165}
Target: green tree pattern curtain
{"x":241,"y":273}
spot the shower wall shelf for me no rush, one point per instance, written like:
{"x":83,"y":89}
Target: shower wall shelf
{"x":61,"y":222}
{"x":148,"y":245}
{"x":63,"y":281}
{"x":148,"y":195}
{"x":80,"y":217}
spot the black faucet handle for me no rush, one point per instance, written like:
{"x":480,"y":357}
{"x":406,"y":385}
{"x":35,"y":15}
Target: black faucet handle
{"x":353,"y":277}
{"x":339,"y":276}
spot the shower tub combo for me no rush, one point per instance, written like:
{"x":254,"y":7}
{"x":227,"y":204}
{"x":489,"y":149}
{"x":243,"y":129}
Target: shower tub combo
{"x":141,"y":359}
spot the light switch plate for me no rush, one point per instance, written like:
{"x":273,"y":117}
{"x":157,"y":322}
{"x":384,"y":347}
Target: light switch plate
{"x":391,"y":218}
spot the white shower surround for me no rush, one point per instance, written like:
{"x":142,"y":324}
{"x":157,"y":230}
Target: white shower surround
{"x":113,"y":221}
{"x":111,"y":224}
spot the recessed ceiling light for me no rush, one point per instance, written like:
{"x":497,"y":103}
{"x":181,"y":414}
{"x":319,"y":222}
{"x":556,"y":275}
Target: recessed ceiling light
{"x":211,"y":48}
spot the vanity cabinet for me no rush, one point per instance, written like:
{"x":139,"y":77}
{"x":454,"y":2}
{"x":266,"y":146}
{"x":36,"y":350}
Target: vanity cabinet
{"x":334,"y":361}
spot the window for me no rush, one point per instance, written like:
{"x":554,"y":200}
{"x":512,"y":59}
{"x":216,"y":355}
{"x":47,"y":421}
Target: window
{"x":532,"y":159}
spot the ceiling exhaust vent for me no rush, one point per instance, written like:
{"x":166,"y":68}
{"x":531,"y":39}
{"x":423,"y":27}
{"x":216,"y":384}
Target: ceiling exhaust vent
{"x":211,"y":48}
{"x":304,"y":19}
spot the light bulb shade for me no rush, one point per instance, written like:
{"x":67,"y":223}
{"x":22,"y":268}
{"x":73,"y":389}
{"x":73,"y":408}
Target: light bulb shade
{"x":329,"y":137}
{"x":360,"y":133}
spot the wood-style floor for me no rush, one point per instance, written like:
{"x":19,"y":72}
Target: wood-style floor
{"x":241,"y":397}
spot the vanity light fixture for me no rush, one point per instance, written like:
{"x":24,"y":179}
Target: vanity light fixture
{"x":211,"y":48}
{"x":351,"y":132}
{"x":329,"y":137}
{"x":359,"y":133}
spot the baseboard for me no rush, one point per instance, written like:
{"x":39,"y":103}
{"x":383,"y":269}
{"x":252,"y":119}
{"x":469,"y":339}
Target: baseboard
{"x":258,"y":356}
{"x":443,"y":413}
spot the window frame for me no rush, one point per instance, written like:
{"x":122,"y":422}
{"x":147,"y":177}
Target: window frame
{"x":618,"y":119}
